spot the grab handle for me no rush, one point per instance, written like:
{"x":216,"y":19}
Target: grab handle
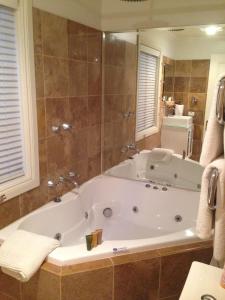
{"x":220,"y":104}
{"x":213,"y":177}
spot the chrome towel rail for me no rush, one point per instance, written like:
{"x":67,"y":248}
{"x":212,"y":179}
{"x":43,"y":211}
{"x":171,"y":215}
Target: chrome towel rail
{"x":213,"y":177}
{"x":220,"y":103}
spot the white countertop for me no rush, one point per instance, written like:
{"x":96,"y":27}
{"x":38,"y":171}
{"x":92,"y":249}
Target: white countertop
{"x":203,"y":279}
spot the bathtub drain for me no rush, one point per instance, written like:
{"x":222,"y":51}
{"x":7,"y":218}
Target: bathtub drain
{"x":58,"y":236}
{"x":107,"y":212}
{"x":178,"y":218}
{"x":135,"y":209}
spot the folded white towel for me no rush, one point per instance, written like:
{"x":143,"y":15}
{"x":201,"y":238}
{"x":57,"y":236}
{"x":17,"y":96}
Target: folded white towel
{"x":161,"y":155}
{"x":205,"y":219}
{"x":212,"y":146}
{"x":23,"y":252}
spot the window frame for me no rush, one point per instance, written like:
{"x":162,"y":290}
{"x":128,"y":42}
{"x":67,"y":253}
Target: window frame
{"x":26,"y":73}
{"x":154,"y":129}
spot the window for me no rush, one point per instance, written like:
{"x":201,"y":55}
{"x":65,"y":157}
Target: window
{"x":147,"y":94}
{"x":18,"y":125}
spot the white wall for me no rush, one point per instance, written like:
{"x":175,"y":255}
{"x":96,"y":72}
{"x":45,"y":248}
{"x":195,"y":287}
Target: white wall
{"x":160,"y":40}
{"x":86,"y":12}
{"x":194,"y":48}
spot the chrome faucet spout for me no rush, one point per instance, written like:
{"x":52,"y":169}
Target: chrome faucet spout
{"x":131,"y":147}
{"x":70,"y":178}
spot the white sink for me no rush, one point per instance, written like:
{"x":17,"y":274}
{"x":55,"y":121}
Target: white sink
{"x":178,"y":121}
{"x":203,"y":280}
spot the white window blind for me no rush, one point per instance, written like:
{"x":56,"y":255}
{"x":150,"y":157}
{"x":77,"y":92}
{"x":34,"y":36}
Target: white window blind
{"x":146,"y":115}
{"x":11,"y":150}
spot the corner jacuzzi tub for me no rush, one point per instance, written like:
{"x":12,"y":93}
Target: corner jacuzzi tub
{"x":144,"y":215}
{"x":177,"y":172}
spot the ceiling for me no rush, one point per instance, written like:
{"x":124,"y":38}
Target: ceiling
{"x":116,"y":15}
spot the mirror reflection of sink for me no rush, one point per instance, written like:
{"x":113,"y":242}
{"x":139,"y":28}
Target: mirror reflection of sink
{"x":178,"y":121}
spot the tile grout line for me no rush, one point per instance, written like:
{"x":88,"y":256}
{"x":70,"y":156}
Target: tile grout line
{"x":160,"y":273}
{"x":113,"y":279}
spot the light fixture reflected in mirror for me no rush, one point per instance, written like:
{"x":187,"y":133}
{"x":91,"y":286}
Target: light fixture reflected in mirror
{"x":212,"y":29}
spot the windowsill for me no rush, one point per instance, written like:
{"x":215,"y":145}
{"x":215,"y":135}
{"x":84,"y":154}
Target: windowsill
{"x":146,"y":133}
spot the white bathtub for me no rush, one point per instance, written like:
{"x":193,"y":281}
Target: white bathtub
{"x":152,"y":224}
{"x":181,"y":173}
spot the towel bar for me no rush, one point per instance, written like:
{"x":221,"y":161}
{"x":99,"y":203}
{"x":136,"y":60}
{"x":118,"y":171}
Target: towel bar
{"x":213,"y":177}
{"x":220,"y":103}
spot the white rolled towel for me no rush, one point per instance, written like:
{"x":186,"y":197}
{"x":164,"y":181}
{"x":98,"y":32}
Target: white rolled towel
{"x":205,"y":220}
{"x":22,"y":254}
{"x":161,"y":154}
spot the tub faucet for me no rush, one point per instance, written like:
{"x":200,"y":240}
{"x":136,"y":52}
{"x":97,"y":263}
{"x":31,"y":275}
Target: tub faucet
{"x":51,"y":185}
{"x":70,"y":178}
{"x":131,"y":147}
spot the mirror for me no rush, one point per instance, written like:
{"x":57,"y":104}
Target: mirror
{"x":185,"y":63}
{"x":119,"y":95}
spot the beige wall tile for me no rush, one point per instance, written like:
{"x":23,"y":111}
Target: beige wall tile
{"x":57,"y":113}
{"x":43,"y":286}
{"x":200,"y":68}
{"x":137,"y":280}
{"x":78,"y":78}
{"x":78,"y":107}
{"x":56,"y":77}
{"x":175,"y":268}
{"x":39,"y":75}
{"x":35,"y":198}
{"x":94,"y":110}
{"x":94,"y":79}
{"x":95,"y":47}
{"x":78,"y":46}
{"x":182,"y":68}
{"x":200,"y":104}
{"x":92,"y":285}
{"x":181,"y":84}
{"x":54,"y":34}
{"x":9,"y":212}
{"x":76,"y":28}
{"x":9,"y":287}
{"x":41,"y":118}
{"x":198,"y":85}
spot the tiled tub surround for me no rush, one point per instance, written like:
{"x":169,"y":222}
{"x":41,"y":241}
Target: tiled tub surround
{"x":154,"y":274}
{"x":68,"y":89}
{"x":185,"y":79}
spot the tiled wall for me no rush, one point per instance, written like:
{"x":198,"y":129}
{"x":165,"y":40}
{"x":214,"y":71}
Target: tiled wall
{"x":68,"y":87}
{"x":185,"y":79}
{"x":147,"y":275}
{"x":120,"y":84}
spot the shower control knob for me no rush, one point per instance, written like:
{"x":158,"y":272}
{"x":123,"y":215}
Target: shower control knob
{"x":66,"y":126}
